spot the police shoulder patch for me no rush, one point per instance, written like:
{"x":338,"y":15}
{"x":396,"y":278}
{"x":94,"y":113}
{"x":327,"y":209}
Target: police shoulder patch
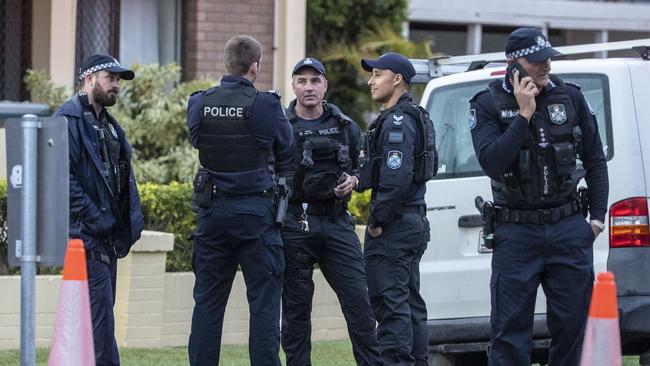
{"x":472,"y":118}
{"x":394,"y":159}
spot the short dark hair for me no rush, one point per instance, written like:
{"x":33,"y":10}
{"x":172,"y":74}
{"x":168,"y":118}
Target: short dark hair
{"x":240,"y":53}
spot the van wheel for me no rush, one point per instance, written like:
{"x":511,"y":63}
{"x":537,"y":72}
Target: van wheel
{"x":466,"y":359}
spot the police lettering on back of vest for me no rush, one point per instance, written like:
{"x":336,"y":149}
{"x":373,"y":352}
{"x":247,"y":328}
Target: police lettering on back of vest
{"x":425,"y":161}
{"x":223,"y":112}
{"x":546,"y":172}
{"x":322,"y":153}
{"x":226,"y":140}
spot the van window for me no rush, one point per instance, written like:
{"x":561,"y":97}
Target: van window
{"x":448,"y":107}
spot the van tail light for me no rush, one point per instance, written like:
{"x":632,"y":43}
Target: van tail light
{"x":498,"y":73}
{"x":628,"y":223}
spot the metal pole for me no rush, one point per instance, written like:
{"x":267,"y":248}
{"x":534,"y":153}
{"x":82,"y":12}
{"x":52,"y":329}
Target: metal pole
{"x":28,"y":258}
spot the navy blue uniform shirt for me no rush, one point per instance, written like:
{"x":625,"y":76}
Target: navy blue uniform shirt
{"x":496,"y":151}
{"x":271,"y":128}
{"x":398,"y":141}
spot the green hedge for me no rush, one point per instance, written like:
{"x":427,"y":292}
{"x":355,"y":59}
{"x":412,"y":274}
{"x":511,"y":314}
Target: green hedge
{"x":167,"y":207}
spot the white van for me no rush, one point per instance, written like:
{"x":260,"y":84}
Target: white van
{"x":455,"y":269}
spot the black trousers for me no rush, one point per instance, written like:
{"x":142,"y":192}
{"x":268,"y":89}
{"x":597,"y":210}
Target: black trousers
{"x":332,"y":243}
{"x":558,"y":256}
{"x":237,"y":230}
{"x":392,"y":266}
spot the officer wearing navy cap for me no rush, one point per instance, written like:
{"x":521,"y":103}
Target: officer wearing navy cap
{"x":243,"y":139}
{"x":319,"y":228}
{"x":529,"y":130}
{"x":104,"y":203}
{"x":393,"y":160}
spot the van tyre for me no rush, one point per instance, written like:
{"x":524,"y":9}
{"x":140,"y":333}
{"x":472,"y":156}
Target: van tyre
{"x":644,"y":359}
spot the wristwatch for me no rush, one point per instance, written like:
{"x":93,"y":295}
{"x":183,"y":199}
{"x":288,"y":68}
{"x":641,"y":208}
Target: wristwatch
{"x":601,"y":225}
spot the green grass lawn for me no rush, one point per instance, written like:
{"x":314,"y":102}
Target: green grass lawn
{"x":324,"y":353}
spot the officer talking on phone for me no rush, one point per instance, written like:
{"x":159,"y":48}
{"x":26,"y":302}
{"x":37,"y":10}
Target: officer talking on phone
{"x":536,"y":137}
{"x":318,"y":227}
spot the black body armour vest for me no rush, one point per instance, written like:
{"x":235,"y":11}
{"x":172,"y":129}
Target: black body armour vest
{"x":322,"y":154}
{"x":425,"y":160}
{"x":545,"y":174}
{"x":226,"y":140}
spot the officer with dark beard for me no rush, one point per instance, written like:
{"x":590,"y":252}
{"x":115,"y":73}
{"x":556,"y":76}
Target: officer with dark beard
{"x":104,"y":203}
{"x":319,"y":228}
{"x":530,"y":130}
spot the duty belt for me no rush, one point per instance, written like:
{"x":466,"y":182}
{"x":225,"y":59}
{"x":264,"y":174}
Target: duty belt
{"x":539,"y":216}
{"x":265,"y":193}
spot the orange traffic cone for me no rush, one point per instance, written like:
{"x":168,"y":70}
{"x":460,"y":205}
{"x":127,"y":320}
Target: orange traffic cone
{"x":602,"y":342}
{"x":73,"y":330}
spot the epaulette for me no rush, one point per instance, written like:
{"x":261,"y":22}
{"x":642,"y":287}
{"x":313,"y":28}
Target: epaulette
{"x":572,"y":84}
{"x":196,"y":92}
{"x":477,"y":94}
{"x":274,"y":92}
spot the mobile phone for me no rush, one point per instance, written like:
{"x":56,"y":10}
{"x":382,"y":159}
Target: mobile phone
{"x":341,"y":179}
{"x":510,"y":70}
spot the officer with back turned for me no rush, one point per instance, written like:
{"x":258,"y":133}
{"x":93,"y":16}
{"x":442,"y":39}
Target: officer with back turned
{"x":398,"y":159}
{"x":319,"y":228}
{"x":243,"y":139}
{"x":530,"y":131}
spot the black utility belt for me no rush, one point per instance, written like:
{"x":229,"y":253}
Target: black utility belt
{"x":331,"y":208}
{"x":265,"y":193}
{"x":539,"y":216}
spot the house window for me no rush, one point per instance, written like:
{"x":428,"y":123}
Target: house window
{"x":97,"y":29}
{"x":15,"y":48}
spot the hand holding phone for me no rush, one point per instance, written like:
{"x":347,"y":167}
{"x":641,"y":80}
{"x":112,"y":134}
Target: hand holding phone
{"x":342,"y":179}
{"x":510,"y":71}
{"x":525,"y":92}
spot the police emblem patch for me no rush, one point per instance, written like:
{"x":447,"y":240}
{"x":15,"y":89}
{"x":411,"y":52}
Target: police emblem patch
{"x":472,"y":118}
{"x":397,"y":120}
{"x":540,"y":41}
{"x":394,"y":160}
{"x":557,"y":113}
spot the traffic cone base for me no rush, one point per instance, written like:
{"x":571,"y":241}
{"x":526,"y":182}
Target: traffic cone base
{"x":602,"y":342}
{"x":73,"y":342}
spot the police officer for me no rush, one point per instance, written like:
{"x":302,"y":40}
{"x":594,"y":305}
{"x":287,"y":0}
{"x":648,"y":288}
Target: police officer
{"x":319,"y":228}
{"x":530,"y":132}
{"x":243,"y":138}
{"x":396,"y":167}
{"x":104,"y":203}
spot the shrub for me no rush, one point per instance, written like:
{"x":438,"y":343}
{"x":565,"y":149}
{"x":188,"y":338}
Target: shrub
{"x":167,"y":207}
{"x":359,"y":206}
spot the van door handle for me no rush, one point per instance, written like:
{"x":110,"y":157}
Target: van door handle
{"x":470,"y":221}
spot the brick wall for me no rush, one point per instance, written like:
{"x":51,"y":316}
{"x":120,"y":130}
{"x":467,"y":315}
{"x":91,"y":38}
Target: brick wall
{"x":208,"y":24}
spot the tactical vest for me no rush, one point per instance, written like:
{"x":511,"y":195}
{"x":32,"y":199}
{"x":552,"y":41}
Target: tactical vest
{"x":546,"y":172}
{"x":425,"y":165}
{"x":322,"y":153}
{"x":226,"y":141}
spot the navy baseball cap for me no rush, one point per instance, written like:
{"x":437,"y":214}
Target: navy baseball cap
{"x":309,"y":62}
{"x":99,"y":62}
{"x":394,"y":62}
{"x":529,"y":43}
